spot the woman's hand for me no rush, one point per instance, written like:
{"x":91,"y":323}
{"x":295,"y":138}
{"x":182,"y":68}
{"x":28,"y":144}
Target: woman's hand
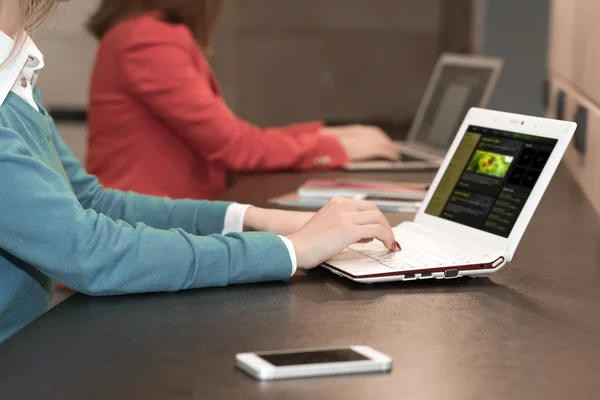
{"x":280,"y":222}
{"x":339,"y":224}
{"x":363,"y":142}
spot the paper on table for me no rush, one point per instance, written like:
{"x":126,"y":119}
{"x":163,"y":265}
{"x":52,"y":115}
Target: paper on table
{"x":327,"y":188}
{"x":293,"y":200}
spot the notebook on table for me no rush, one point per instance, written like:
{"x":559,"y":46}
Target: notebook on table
{"x":389,"y":197}
{"x":478,"y":206}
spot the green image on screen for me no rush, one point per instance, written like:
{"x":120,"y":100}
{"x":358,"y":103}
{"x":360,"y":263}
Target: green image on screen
{"x":491,"y":164}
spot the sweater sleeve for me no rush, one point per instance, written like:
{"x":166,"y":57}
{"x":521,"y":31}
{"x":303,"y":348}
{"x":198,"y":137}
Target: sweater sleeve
{"x":164,"y":70}
{"x":43,"y":223}
{"x":193,"y":216}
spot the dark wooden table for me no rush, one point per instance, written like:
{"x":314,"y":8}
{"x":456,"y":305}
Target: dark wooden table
{"x":530,"y":332}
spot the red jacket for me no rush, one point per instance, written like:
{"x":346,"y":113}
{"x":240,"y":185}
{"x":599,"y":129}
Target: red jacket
{"x":159,"y":125}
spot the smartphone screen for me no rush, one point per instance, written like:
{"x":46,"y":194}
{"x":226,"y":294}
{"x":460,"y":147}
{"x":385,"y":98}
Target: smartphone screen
{"x":313,"y":357}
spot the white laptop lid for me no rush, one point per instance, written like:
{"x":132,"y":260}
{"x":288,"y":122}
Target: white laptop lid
{"x":458,"y":83}
{"x":493,"y":177}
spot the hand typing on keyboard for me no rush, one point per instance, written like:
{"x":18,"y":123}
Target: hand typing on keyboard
{"x":418,"y":252}
{"x":339,"y":224}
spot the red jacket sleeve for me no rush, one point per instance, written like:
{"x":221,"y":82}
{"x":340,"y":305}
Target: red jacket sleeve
{"x":166,"y":72}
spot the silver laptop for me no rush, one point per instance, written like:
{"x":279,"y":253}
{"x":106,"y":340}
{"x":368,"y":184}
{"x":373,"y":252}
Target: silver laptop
{"x":478,"y":206}
{"x":458,"y":83}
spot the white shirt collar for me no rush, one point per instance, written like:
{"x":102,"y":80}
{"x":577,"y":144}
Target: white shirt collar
{"x":25,"y":64}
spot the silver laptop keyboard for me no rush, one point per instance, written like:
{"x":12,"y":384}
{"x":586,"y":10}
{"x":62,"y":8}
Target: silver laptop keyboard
{"x":417,"y":252}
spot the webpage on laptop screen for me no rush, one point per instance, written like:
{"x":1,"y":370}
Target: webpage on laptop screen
{"x":490,"y":178}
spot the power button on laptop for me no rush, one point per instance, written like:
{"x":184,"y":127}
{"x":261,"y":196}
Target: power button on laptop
{"x":451,"y":273}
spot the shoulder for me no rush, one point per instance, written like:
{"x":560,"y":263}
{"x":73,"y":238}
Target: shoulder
{"x":8,"y":115}
{"x":12,"y":142}
{"x":148,"y":30}
{"x":18,"y":127}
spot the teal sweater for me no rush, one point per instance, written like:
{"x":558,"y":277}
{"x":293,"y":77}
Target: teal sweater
{"x":58,"y":223}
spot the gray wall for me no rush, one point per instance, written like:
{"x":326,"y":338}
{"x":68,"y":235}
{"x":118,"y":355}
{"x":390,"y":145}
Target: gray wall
{"x":69,"y":54}
{"x":517,"y":30}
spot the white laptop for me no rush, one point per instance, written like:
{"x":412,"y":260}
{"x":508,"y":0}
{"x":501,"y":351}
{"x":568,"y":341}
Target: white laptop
{"x":478,"y":206}
{"x":458,"y":83}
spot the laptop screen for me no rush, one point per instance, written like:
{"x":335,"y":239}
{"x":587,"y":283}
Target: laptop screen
{"x":490,"y":178}
{"x":457,"y":89}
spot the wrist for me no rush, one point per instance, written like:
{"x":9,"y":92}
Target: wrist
{"x":262,"y":220}
{"x":292,"y":250}
{"x":255,"y":220}
{"x":300,"y":259}
{"x":292,"y":240}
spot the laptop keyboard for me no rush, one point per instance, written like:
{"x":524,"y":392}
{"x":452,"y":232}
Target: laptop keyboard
{"x":417,"y":252}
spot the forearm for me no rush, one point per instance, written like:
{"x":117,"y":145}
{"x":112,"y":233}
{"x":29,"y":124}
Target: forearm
{"x":276,"y":221}
{"x":277,"y":149}
{"x":96,"y":255}
{"x":114,"y":258}
{"x":194,"y":216}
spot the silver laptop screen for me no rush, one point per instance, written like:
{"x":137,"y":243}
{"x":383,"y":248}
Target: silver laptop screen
{"x":490,"y":178}
{"x":457,"y":90}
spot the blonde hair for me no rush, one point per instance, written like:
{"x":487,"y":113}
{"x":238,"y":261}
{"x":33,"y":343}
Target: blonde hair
{"x":35,"y":12}
{"x":32,"y":14}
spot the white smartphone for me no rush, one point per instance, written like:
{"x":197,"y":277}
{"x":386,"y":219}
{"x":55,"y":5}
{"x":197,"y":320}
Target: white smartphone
{"x":314,"y":362}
